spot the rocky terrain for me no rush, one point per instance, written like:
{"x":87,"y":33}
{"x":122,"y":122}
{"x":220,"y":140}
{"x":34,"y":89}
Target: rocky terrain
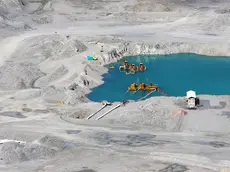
{"x":45,"y":76}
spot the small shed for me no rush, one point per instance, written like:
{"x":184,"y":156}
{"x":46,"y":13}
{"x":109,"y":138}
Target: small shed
{"x":191,"y":99}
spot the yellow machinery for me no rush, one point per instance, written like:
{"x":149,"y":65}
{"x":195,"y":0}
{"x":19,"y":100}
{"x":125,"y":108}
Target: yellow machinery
{"x":122,"y":68}
{"x":140,"y":70}
{"x":150,"y":88}
{"x":147,"y":88}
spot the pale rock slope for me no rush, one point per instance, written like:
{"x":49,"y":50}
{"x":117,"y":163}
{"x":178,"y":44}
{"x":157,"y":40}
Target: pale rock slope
{"x":45,"y":77}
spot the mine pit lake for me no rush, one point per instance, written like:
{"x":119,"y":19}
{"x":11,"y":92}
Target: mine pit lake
{"x":175,"y":74}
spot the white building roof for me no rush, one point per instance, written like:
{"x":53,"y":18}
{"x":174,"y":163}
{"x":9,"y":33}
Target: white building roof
{"x":191,"y":94}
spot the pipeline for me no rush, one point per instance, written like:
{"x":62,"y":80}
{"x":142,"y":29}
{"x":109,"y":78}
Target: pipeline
{"x":105,"y":104}
{"x":96,"y":112}
{"x":161,"y":92}
{"x":147,"y":95}
{"x":123,"y":103}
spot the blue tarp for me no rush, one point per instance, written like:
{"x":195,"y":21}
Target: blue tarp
{"x":91,"y":58}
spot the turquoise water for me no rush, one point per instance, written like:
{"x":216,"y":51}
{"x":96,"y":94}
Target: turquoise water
{"x":175,"y":74}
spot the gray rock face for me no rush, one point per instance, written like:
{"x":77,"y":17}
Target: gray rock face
{"x":15,"y":152}
{"x":143,"y":48}
{"x":44,"y":81}
{"x":70,"y":48}
{"x":73,"y":86}
{"x":174,"y":168}
{"x":40,"y":48}
{"x":74,"y":97}
{"x":27,"y":94}
{"x":12,"y":114}
{"x":145,"y":136}
{"x":79,"y":46}
{"x":3,"y":9}
{"x":19,"y":75}
{"x":53,"y":94}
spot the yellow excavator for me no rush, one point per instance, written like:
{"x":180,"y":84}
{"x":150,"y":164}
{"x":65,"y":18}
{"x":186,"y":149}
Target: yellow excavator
{"x":142,"y":87}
